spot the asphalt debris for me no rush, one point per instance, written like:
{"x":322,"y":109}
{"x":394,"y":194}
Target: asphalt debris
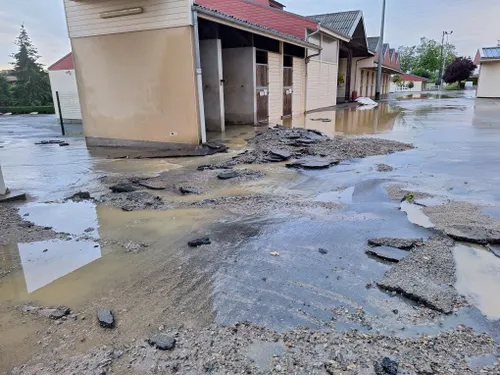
{"x":387,"y":253}
{"x":105,"y":318}
{"x":384,"y":168}
{"x":53,"y":313}
{"x":323,"y":251}
{"x":162,"y":341}
{"x":386,"y":366}
{"x":400,"y":243}
{"x":122,"y":188}
{"x":80,"y":196}
{"x":227,"y":175}
{"x":199,"y":242}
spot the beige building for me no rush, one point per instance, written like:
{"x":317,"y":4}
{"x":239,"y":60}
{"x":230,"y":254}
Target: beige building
{"x":488,"y":85}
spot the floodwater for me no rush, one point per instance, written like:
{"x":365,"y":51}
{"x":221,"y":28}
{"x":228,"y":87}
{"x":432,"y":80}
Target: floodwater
{"x":138,"y":264}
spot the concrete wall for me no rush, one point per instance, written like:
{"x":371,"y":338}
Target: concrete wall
{"x":64,"y":81}
{"x":299,"y":87}
{"x":239,"y":85}
{"x":322,"y":75}
{"x":83,"y":16}
{"x":488,"y":85}
{"x":213,"y":91}
{"x":275,"y":61}
{"x":138,"y":86}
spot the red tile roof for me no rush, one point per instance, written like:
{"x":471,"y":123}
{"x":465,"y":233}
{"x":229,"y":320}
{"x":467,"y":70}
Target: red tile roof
{"x":411,"y":77}
{"x":260,"y":13}
{"x":66,"y":63}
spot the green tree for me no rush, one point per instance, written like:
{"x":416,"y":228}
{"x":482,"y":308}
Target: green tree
{"x":32,"y":86}
{"x":407,"y":57}
{"x":4,"y":91}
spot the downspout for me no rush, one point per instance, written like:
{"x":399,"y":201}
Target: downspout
{"x":201,"y":105}
{"x":307,"y":59}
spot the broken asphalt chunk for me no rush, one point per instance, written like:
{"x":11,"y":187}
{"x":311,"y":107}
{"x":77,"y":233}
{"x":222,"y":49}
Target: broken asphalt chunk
{"x":400,"y":243}
{"x":53,"y":313}
{"x":162,"y":341}
{"x":386,"y":367}
{"x":80,"y":196}
{"x":199,"y":242}
{"x":323,"y":251}
{"x":106,"y":318}
{"x":495,"y":249}
{"x":281,"y":154}
{"x":474,"y":234}
{"x":122,"y":188}
{"x":188,"y":190}
{"x":390,"y":254}
{"x":308,"y":163}
{"x":227,"y":175}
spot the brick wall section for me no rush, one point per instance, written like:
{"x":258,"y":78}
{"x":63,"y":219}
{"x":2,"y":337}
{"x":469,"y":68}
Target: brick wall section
{"x":258,"y":12}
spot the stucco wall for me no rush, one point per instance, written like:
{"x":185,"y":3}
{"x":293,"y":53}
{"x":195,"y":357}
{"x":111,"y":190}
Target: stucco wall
{"x":239,"y":85}
{"x":64,"y":81}
{"x":83,"y":16}
{"x":275,"y":61}
{"x":213,"y":95}
{"x":299,"y":86}
{"x":488,"y":85}
{"x":138,"y":86}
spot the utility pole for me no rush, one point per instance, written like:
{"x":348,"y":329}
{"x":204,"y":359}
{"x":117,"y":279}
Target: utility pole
{"x":380,"y":53}
{"x":443,"y":56}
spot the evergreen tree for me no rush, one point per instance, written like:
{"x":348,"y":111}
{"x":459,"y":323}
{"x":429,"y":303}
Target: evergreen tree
{"x":4,"y":92}
{"x":32,"y":86}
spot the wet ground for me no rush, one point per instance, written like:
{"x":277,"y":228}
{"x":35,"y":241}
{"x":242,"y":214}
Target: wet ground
{"x":138,"y":264}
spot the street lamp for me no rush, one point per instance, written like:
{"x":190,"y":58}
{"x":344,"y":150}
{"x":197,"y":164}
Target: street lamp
{"x":443,"y":55}
{"x":380,"y":53}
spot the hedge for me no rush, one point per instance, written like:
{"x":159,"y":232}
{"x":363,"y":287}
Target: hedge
{"x":48,"y":109}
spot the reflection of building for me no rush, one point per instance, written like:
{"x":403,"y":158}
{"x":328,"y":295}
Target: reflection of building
{"x":359,"y":121}
{"x":488,"y":85}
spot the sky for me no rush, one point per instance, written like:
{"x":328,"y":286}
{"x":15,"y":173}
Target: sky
{"x":474,"y":22}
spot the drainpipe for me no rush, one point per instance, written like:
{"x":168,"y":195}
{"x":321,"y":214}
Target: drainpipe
{"x":201,"y":105}
{"x":3,"y":189}
{"x":307,"y":59}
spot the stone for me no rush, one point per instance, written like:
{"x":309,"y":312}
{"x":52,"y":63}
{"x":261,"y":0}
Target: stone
{"x":390,"y":254}
{"x":199,"y":242}
{"x":106,"y":318}
{"x":323,"y":251}
{"x":227,"y":175}
{"x":386,"y":367}
{"x":62,"y":144}
{"x":80,"y":196}
{"x":162,"y":341}
{"x":495,"y":249}
{"x":122,"y":188}
{"x":400,"y":243}
{"x":281,"y":154}
{"x":188,"y":190}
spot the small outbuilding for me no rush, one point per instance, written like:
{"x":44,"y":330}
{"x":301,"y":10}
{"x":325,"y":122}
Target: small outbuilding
{"x":409,"y":82}
{"x":63,"y":80}
{"x":488,"y":85}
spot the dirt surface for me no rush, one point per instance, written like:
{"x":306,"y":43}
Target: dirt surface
{"x":245,"y":348}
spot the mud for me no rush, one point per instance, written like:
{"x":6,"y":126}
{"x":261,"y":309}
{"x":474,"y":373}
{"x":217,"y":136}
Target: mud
{"x":232,"y":350}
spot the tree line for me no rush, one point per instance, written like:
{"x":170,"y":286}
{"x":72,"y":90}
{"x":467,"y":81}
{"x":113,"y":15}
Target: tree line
{"x":31,"y":86}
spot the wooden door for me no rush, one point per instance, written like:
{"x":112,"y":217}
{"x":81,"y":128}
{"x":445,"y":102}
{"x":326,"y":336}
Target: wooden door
{"x":287,"y":91}
{"x":262,"y":92}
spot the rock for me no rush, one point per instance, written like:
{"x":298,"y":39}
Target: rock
{"x":199,"y":242}
{"x":323,"y":251}
{"x":64,"y":144}
{"x":162,"y":341}
{"x":391,"y":254}
{"x":495,"y":249}
{"x":281,"y":154}
{"x":188,"y":190}
{"x":474,"y":234}
{"x":227,"y":175}
{"x":400,"y":243}
{"x":106,"y":318}
{"x":307,"y":163}
{"x":80,"y":196}
{"x":386,"y":367}
{"x":122,"y":188}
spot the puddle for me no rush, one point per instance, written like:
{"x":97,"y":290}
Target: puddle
{"x":478,"y":277}
{"x":416,"y":215}
{"x":340,"y":196}
{"x":69,"y":217}
{"x":492,"y":212}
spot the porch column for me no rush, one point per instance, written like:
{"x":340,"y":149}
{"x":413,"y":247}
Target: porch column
{"x":3,"y":189}
{"x":348,"y":76}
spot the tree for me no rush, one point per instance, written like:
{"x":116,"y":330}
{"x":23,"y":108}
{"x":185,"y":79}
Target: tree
{"x":32,"y":86}
{"x":407,"y":57}
{"x":4,"y":91}
{"x":459,"y":70}
{"x":411,"y":85}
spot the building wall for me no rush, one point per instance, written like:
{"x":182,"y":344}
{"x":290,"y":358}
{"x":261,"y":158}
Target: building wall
{"x":418,"y":86}
{"x":213,"y":95}
{"x":239,"y":85}
{"x":299,"y":86}
{"x":488,"y":85}
{"x":275,"y":61}
{"x":138,"y":86}
{"x":322,"y":75}
{"x":64,"y":81}
{"x":83,"y":16}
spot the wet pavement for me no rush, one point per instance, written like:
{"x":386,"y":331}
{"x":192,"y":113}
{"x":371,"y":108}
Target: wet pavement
{"x":154,"y":277}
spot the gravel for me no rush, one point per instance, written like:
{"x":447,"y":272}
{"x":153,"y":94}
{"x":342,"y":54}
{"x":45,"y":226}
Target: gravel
{"x":426,"y":275}
{"x":384,"y":168}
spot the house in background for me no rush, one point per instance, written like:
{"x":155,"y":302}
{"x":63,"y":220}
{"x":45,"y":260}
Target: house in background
{"x":419,"y":83}
{"x":63,"y":80}
{"x":488,"y":60}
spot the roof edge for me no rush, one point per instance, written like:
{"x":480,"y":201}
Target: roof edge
{"x":58,"y":61}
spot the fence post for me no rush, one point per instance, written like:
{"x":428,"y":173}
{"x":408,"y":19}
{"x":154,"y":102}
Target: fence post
{"x":60,"y":113}
{"x":3,"y":189}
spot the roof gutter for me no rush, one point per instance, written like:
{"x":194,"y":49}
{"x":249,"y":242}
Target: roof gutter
{"x":308,"y":58}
